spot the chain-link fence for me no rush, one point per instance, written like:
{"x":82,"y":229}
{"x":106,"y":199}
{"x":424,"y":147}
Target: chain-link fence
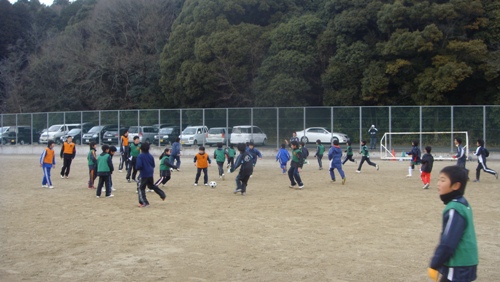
{"x":277,"y":123}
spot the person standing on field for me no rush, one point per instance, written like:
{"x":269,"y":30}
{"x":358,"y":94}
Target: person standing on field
{"x":68,"y":152}
{"x":373,"y":137}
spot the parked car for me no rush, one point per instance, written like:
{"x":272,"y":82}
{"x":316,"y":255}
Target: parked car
{"x":194,"y":135}
{"x":113,"y":136}
{"x":20,"y":134}
{"x":55,"y":131}
{"x":167,"y":135}
{"x":96,"y":133}
{"x":145,"y":133}
{"x":248,"y":133}
{"x":218,"y":134}
{"x":311,"y":134}
{"x":75,"y":133}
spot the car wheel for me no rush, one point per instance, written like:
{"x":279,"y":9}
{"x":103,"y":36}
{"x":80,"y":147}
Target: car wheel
{"x":333,"y":139}
{"x":304,"y":139}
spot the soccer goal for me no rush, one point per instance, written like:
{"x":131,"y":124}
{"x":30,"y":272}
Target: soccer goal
{"x":394,"y":145}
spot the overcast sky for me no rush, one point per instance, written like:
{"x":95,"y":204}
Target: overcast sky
{"x":46,"y":2}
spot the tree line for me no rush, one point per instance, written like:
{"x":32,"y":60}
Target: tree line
{"x":127,"y":54}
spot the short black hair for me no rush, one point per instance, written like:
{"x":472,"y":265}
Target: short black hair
{"x":250,"y":143}
{"x":481,"y":142}
{"x":92,"y":144}
{"x":363,"y":142}
{"x":456,"y":174}
{"x":459,"y":140}
{"x":219,"y":144}
{"x":335,"y":142}
{"x":104,"y":147}
{"x":415,"y":142}
{"x":349,"y":143}
{"x":202,"y":148}
{"x":112,"y":148}
{"x":318,"y":142}
{"x":294,"y":143}
{"x":145,"y":147}
{"x":428,"y":149}
{"x":136,"y":137}
{"x":283,"y":146}
{"x":242,"y":147}
{"x":50,"y":143}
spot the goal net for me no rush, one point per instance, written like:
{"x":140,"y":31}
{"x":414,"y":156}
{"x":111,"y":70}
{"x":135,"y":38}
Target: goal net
{"x":394,"y":145}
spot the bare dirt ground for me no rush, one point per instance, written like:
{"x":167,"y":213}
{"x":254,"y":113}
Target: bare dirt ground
{"x":380,"y":226}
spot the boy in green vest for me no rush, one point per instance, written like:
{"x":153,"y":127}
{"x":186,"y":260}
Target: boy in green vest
{"x":91,"y":161}
{"x":296,"y":166}
{"x":456,"y":256}
{"x":135,"y":150}
{"x":320,"y":150}
{"x":220,"y":157}
{"x":104,"y":170}
{"x":230,"y":153}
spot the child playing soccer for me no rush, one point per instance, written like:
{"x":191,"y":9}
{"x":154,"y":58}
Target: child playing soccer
{"x":165,"y":166}
{"x":254,"y":152}
{"x":245,"y":161}
{"x":104,"y":170}
{"x":47,"y":162}
{"x":427,"y":163}
{"x":68,"y":152}
{"x":145,"y":164}
{"x":365,"y":156}
{"x":230,"y":153}
{"x":175,"y":153}
{"x":201,"y":162}
{"x":220,"y":157}
{"x":296,"y":166}
{"x":415,"y":157}
{"x":320,"y":150}
{"x":481,"y":160}
{"x":135,"y":150}
{"x":305,"y":152}
{"x":456,"y":256}
{"x":124,"y":152}
{"x":335,"y":157}
{"x":349,"y":154}
{"x":112,"y":151}
{"x":460,"y":156}
{"x":283,"y":157}
{"x":92,"y":162}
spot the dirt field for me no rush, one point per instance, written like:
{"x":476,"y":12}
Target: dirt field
{"x":380,"y":226}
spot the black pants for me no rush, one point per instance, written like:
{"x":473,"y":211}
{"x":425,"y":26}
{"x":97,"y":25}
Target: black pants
{"x":363,"y":159}
{"x":148,"y":181}
{"x":164,"y":177}
{"x":294,"y":176}
{"x":131,"y":169}
{"x":220,"y":165}
{"x":104,"y":180}
{"x":320,"y":160}
{"x":241,"y":182}
{"x":348,"y":158}
{"x":124,"y":159}
{"x":230,"y":161}
{"x":198,"y":173}
{"x":482,"y":166}
{"x":66,"y":164}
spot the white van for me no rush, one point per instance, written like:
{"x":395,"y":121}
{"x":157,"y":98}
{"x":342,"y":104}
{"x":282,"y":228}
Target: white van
{"x":56,"y":131}
{"x":248,"y":133}
{"x":194,"y":135}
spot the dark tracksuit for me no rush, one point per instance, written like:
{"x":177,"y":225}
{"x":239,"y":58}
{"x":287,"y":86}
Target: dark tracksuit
{"x":68,"y":152}
{"x":124,"y":153}
{"x":320,"y":150}
{"x":175,"y":154}
{"x":481,"y":163}
{"x":145,"y":163}
{"x":296,"y":163}
{"x":230,"y":152}
{"x":365,"y":156}
{"x":461,"y":157}
{"x":165,"y":165}
{"x":104,"y":170}
{"x":134,"y":152}
{"x":255,"y":154}
{"x":245,"y":161}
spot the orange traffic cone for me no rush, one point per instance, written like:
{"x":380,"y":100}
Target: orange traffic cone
{"x":393,"y":153}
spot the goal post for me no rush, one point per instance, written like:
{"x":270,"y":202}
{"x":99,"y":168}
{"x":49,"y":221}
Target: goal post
{"x":393,"y":145}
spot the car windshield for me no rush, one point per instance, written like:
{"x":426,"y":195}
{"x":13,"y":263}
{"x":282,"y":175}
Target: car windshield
{"x":189,"y":130}
{"x":54,"y":128}
{"x":166,"y":130}
{"x":216,"y":131}
{"x":95,"y":129}
{"x":133,"y":129}
{"x":74,"y":131}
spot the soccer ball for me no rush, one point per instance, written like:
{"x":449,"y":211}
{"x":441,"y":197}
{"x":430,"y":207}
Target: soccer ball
{"x":213,"y":184}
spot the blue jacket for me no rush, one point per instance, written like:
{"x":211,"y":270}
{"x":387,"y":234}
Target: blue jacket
{"x":283,"y":156}
{"x":176,"y":149}
{"x":145,"y":163}
{"x":254,"y":153}
{"x":335,"y":155}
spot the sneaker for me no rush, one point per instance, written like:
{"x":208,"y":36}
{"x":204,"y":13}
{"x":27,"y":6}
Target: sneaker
{"x":227,"y":166}
{"x":377,"y":167}
{"x":343,"y":180}
{"x":67,"y":177}
{"x":320,"y":168}
{"x":206,"y":184}
{"x":358,"y":171}
{"x":292,"y":186}
{"x":224,"y":177}
{"x":120,"y":170}
{"x":44,"y":186}
{"x":149,"y":190}
{"x":113,"y":189}
{"x":409,"y":175}
{"x":236,"y":191}
{"x":243,"y":194}
{"x":97,"y":197}
{"x":51,"y":187}
{"x":62,"y":176}
{"x":128,"y":180}
{"x":110,"y":196}
{"x":476,"y":180}
{"x":163,"y":199}
{"x":177,"y":169}
{"x":426,"y":186}
{"x":143,"y":205}
{"x":196,"y":184}
{"x":333,"y":180}
{"x":301,"y":187}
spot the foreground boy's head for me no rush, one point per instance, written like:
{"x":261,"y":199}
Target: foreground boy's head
{"x":451,"y":183}
{"x":144,"y":147}
{"x":294,"y":144}
{"x":201,"y":150}
{"x":105,"y":148}
{"x":242,"y":147}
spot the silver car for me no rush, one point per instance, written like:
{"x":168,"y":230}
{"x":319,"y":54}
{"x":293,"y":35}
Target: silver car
{"x":311,"y":134}
{"x":248,"y":133}
{"x":218,"y":135}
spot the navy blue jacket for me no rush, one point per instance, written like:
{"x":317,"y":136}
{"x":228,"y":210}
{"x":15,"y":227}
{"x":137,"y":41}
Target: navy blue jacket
{"x":145,"y":163}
